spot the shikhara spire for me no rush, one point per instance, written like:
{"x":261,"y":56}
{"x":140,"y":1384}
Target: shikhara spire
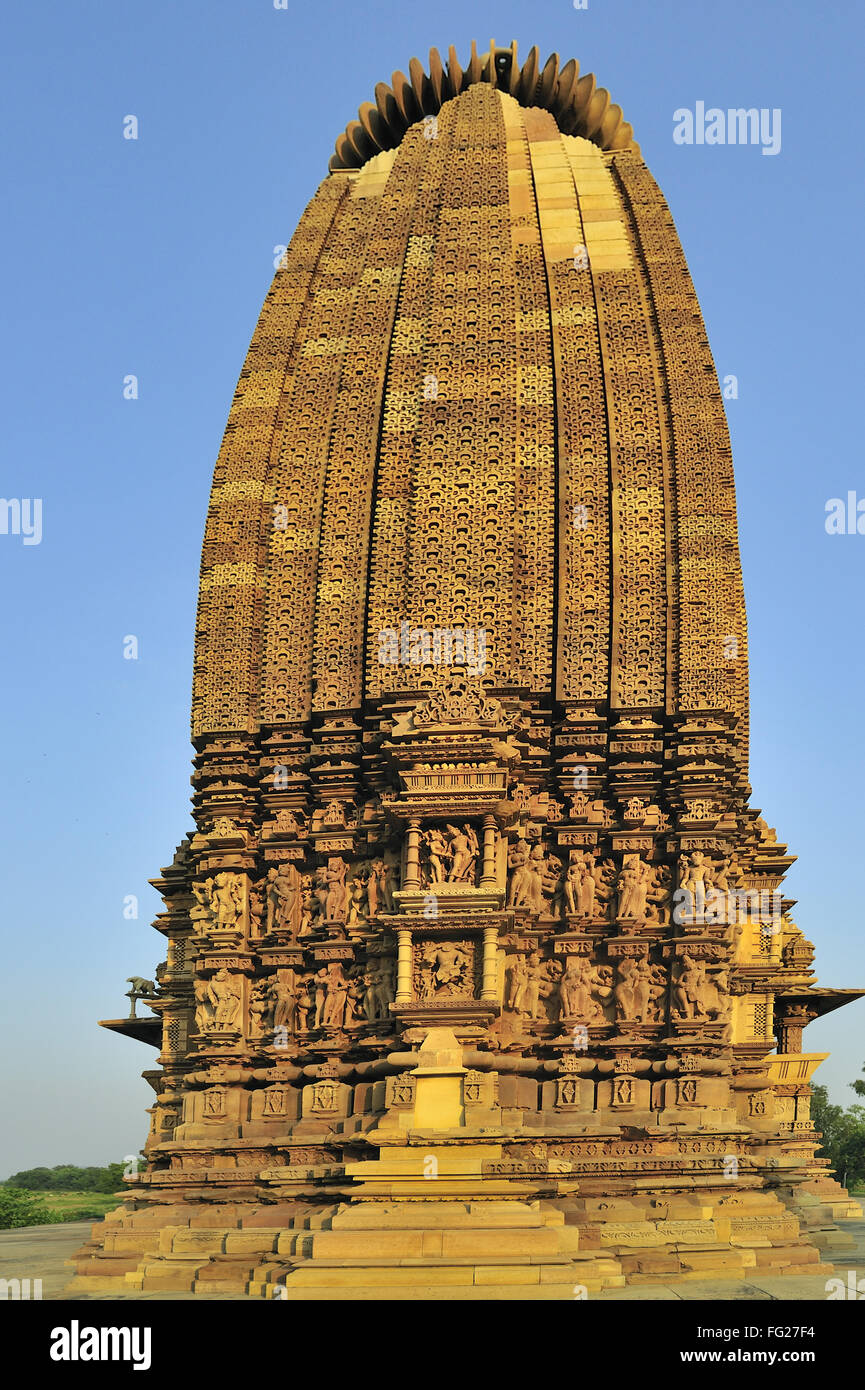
{"x":479,"y":955}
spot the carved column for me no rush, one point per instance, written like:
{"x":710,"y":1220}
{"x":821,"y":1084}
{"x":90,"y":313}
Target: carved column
{"x":412,"y":856}
{"x":792,"y":1022}
{"x":488,"y":869}
{"x":403,"y":968}
{"x":490,"y":980}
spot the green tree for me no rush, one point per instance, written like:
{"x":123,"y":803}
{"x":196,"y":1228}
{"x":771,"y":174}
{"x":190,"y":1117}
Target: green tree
{"x":843,"y":1141}
{"x":68,"y":1177}
{"x":110,"y":1178}
{"x":20,"y":1208}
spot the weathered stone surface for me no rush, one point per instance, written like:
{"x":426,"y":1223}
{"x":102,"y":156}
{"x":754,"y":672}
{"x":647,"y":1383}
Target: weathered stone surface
{"x":467,"y":958}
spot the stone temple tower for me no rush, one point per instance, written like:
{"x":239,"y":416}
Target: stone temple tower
{"x":480,"y":977}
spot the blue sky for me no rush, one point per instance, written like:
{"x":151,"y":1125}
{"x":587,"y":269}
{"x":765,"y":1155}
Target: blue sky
{"x":152,"y":257}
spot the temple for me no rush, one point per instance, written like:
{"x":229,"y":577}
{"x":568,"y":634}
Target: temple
{"x":480,"y":980}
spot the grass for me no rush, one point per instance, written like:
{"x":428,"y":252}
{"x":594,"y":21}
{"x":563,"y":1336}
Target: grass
{"x":79,"y":1206}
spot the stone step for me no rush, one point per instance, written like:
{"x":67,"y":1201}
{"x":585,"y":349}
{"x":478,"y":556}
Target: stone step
{"x":417,"y":1273}
{"x":397,"y":1244}
{"x":435,"y":1215}
{"x":429,"y":1293}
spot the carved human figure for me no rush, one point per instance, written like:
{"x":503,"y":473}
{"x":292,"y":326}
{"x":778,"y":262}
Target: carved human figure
{"x":283,"y":992}
{"x":588,"y":886}
{"x":624,"y":990}
{"x":518,"y":979}
{"x":390,"y":882}
{"x":648,"y":988}
{"x":224,"y":994}
{"x":425,"y":969}
{"x":518,"y":860}
{"x":320,"y":891}
{"x":437,"y":852}
{"x":450,"y":966}
{"x":384,"y":989}
{"x":284,"y":900}
{"x":304,"y":1007}
{"x":695,"y":877}
{"x":688,"y":987}
{"x":581,"y":884}
{"x":335,"y":901}
{"x":335,"y":998}
{"x":308,"y":907}
{"x":463,"y":852}
{"x":237,"y":889}
{"x":370,"y":1000}
{"x":202,"y":911}
{"x":357,"y":908}
{"x":572,"y":888}
{"x":575,"y":989}
{"x":204,"y":1008}
{"x":717,"y":992}
{"x":635,"y":879}
{"x":537,"y":986}
{"x":375,"y":887}
{"x":536,"y":870}
{"x":223,"y":901}
{"x":260,"y":1007}
{"x":319,"y":985}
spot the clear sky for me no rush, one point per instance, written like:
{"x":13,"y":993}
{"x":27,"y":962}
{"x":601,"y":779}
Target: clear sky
{"x":152,"y":257}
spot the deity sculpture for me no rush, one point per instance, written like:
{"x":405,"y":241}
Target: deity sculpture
{"x":517,"y":981}
{"x":696,"y":994}
{"x":529,"y":985}
{"x":635,"y":879}
{"x":577,"y":988}
{"x":335,"y":901}
{"x":228,"y":901}
{"x":444,"y":968}
{"x":695,"y":878}
{"x":376,"y":889}
{"x":638,"y":987}
{"x":581,"y":884}
{"x":305,"y":1005}
{"x":223,"y":992}
{"x":260,"y":1008}
{"x":357,"y":900}
{"x":283,"y":993}
{"x":378,"y":992}
{"x":284,"y":903}
{"x":518,"y":888}
{"x":437,"y":852}
{"x":335,"y":996}
{"x":463,"y":852}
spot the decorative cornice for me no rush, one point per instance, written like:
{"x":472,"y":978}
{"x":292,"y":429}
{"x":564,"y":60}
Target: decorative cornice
{"x":579,"y":105}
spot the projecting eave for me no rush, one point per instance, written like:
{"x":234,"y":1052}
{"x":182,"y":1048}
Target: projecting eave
{"x":823,"y":1000}
{"x":146,"y":1030}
